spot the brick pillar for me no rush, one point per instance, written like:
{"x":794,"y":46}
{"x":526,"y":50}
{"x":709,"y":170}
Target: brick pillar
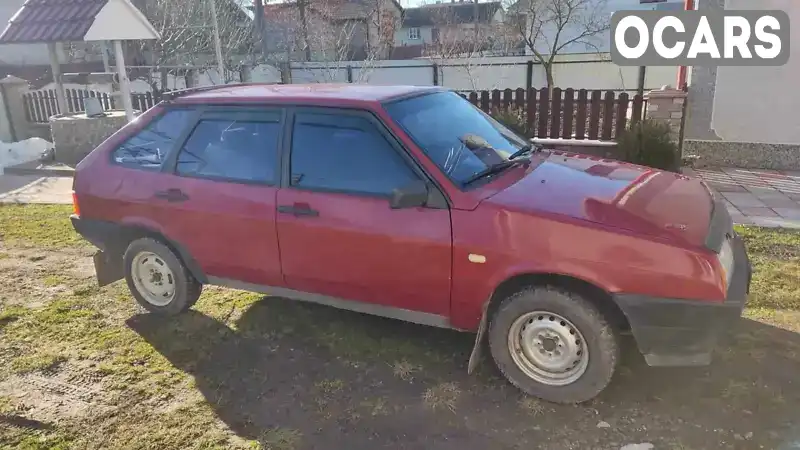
{"x":668,"y":104}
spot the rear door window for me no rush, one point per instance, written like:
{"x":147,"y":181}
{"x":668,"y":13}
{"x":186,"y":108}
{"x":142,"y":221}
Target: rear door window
{"x":241,"y":148}
{"x":150,"y":147}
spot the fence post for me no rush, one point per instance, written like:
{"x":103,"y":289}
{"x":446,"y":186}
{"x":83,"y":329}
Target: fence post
{"x":555,"y":111}
{"x":529,"y":76}
{"x":622,"y":114}
{"x":544,"y":112}
{"x":349,"y":74}
{"x":580,"y":115}
{"x":435,"y":74}
{"x":608,"y":116}
{"x":569,"y":113}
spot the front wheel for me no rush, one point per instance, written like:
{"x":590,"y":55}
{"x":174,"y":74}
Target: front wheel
{"x":158,"y":279}
{"x":553,"y":344}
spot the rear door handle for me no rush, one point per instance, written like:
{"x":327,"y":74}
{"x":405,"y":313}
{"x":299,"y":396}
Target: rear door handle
{"x":298,"y":210}
{"x":171,"y":195}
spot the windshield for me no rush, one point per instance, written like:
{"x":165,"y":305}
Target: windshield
{"x":460,"y":138}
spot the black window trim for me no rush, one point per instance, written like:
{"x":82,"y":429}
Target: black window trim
{"x":172,"y":150}
{"x":232,"y":113}
{"x":382,"y":129}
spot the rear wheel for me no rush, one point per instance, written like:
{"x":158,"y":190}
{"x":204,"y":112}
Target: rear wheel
{"x":158,"y":279}
{"x":553,"y":344}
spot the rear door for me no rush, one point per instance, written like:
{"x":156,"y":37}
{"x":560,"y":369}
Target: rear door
{"x":123,"y":191}
{"x":222,"y":191}
{"x":338,"y":235}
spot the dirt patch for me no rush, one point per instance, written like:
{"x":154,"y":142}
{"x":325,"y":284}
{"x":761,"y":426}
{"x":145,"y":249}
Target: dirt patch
{"x":33,"y":277}
{"x":53,"y":396}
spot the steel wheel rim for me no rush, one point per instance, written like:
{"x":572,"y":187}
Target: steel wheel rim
{"x":548,"y":348}
{"x":153,"y":278}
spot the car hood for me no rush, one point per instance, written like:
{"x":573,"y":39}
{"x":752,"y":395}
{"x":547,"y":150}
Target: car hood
{"x":613,"y":193}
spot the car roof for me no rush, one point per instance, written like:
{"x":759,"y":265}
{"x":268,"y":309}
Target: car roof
{"x":300,"y":92}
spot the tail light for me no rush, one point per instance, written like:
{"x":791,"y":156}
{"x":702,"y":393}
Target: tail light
{"x":75,"y":208}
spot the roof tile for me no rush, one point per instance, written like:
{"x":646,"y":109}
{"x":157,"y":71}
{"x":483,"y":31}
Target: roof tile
{"x":449,"y":13}
{"x":51,"y":21}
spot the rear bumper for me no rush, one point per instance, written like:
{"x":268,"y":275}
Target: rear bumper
{"x":103,"y":235}
{"x":673,"y":332}
{"x":106,"y":236}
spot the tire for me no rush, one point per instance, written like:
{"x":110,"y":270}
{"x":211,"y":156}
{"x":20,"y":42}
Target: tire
{"x":169,"y":275}
{"x":553,"y":334}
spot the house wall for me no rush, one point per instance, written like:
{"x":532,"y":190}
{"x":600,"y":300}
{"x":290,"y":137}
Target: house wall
{"x":401,"y":37}
{"x":760,"y":104}
{"x":746,"y":104}
{"x":455,"y":31}
{"x":378,"y":41}
{"x":702,"y":85}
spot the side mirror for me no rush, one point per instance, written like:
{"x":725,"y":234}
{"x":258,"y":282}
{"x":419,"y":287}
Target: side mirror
{"x":410,"y":196}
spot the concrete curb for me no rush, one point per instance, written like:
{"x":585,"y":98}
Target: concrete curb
{"x":36,"y":168}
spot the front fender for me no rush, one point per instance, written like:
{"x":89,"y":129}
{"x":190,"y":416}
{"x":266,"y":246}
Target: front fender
{"x":470,"y":298}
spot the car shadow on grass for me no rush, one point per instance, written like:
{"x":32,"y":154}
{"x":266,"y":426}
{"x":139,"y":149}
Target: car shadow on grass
{"x":306,"y":376}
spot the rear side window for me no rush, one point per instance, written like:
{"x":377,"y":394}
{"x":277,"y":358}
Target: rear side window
{"x":149,"y":148}
{"x":236,"y":150}
{"x":347,"y":154}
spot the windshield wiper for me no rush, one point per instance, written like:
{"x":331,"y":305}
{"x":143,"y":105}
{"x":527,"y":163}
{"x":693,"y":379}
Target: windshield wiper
{"x":527,"y":148}
{"x":491,"y":170}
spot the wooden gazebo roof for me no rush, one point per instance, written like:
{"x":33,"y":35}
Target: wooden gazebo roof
{"x":46,"y":21}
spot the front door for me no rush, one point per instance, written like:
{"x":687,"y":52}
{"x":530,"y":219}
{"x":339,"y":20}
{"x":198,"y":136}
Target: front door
{"x":338,"y":235}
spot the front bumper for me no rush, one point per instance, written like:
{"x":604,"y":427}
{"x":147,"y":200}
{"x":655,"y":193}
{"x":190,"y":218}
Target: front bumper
{"x":673,"y":332}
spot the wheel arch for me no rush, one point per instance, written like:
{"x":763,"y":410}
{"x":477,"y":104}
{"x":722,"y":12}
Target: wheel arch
{"x":132,"y":231}
{"x":598,"y":296}
{"x":593,"y":293}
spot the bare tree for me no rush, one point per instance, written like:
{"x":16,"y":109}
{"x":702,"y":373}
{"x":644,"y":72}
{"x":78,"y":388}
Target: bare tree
{"x":324,"y":34}
{"x":187,"y":38}
{"x":548,"y":27}
{"x":471,"y":44}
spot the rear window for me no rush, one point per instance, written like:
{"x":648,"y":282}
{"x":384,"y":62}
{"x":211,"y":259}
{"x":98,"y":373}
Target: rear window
{"x":150,"y":147}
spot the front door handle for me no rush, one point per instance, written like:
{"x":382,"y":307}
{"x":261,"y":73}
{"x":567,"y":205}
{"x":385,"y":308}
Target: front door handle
{"x":298,"y":210}
{"x":171,"y":195}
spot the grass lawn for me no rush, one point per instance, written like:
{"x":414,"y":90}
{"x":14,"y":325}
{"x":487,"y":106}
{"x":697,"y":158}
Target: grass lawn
{"x":82,"y":368}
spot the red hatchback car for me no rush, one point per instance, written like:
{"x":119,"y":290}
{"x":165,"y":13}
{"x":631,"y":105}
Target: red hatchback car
{"x":409,"y":202}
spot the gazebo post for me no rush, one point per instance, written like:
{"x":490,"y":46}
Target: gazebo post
{"x":55,"y":67}
{"x":124,"y":85}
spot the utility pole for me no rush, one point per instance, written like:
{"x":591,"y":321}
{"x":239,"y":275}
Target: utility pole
{"x":301,"y":6}
{"x":642,"y":75}
{"x":217,"y":44}
{"x":476,"y":12}
{"x":688,"y":5}
{"x":258,"y":11}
